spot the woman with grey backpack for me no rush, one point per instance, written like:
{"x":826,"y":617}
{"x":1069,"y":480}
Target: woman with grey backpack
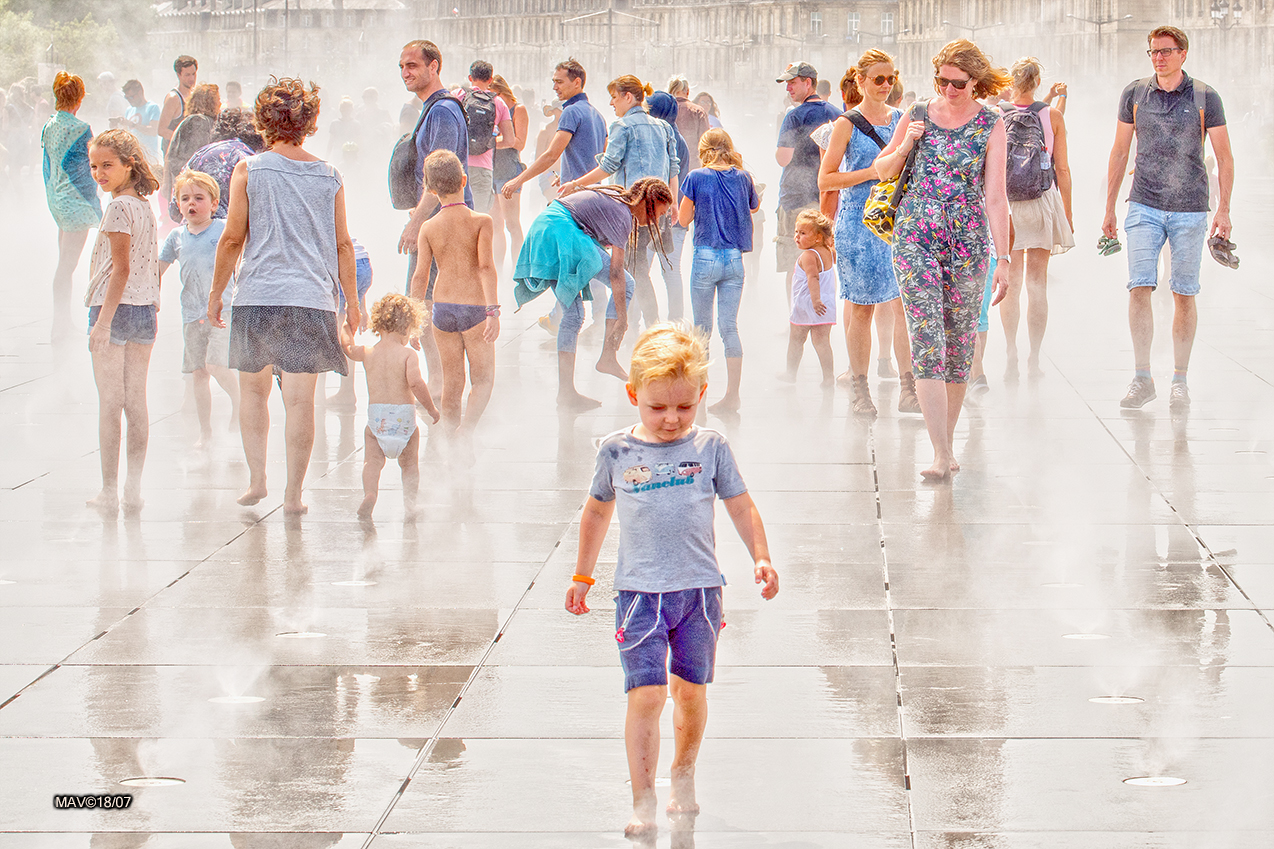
{"x":1038,"y":181}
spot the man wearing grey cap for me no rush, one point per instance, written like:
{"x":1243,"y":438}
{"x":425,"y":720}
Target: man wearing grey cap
{"x":799,"y":155}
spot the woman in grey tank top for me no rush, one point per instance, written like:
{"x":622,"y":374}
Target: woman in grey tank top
{"x":287,"y":220}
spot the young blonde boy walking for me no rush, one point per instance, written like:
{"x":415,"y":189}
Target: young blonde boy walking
{"x":664,"y":476}
{"x":394,"y":383}
{"x":194,"y":245}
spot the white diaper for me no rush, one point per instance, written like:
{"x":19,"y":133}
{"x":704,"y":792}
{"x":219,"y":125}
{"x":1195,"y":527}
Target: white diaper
{"x":392,"y":425}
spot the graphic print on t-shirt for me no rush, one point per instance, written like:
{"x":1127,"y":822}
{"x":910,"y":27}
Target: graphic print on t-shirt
{"x":642,"y":479}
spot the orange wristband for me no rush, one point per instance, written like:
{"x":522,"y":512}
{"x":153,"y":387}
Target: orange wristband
{"x":583,"y":579}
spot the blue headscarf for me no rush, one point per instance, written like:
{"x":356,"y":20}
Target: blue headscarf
{"x":663,"y":106}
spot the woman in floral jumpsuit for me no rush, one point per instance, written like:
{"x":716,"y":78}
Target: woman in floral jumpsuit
{"x":941,"y":234}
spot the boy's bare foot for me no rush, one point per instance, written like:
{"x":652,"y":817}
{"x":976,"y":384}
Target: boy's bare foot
{"x":132,"y":504}
{"x":295,"y":508}
{"x":828,"y":382}
{"x":937,"y":473}
{"x":252,"y":496}
{"x":728,"y":404}
{"x":639,"y":827}
{"x":682,"y":799}
{"x":845,"y":378}
{"x":610,"y":365}
{"x":411,"y":512}
{"x":574,"y":401}
{"x":105,"y":501}
{"x":955,"y":466}
{"x":365,"y":509}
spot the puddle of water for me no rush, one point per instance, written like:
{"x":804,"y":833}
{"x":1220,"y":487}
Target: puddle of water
{"x":1116,"y":700}
{"x":152,"y":781}
{"x":1155,"y":781}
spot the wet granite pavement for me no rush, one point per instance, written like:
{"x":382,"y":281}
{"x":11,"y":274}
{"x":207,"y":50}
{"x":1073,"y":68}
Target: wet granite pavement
{"x":922,"y":680}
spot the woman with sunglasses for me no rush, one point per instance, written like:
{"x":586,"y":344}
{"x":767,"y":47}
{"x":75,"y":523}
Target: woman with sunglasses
{"x":864,"y":264}
{"x":956,"y":190}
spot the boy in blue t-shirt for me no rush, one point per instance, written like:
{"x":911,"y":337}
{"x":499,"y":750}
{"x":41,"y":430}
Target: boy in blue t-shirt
{"x":665,"y":475}
{"x":207,"y":350}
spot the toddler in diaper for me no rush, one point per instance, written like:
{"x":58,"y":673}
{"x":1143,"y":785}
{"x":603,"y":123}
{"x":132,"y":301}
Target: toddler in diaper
{"x":394,"y":384}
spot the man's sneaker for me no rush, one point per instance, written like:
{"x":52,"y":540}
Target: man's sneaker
{"x":1140,"y":392}
{"x":1179,"y":397}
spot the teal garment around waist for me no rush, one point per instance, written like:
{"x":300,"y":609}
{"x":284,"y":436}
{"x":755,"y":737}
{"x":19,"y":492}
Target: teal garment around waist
{"x":557,"y":254}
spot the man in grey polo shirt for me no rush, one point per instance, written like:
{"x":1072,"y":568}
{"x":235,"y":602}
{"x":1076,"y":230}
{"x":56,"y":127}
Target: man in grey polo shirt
{"x":1171,"y":115}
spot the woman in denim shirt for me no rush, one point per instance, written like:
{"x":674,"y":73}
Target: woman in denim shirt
{"x":637,"y":146}
{"x":720,"y":198}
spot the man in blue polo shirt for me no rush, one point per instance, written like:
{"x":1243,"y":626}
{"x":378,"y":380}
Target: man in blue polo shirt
{"x":444,"y":128}
{"x":579,"y":140}
{"x":580,"y":136}
{"x":1172,"y":115}
{"x":799,"y":155}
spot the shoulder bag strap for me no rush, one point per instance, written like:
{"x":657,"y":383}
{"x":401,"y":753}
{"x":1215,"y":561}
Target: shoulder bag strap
{"x":859,"y":120}
{"x":1201,"y":103}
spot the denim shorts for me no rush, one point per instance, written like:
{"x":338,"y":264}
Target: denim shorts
{"x":362,"y":282}
{"x":647,"y":625}
{"x":132,"y":323}
{"x":1147,"y":229}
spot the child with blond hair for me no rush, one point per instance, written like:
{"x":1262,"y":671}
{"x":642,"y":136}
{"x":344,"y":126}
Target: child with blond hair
{"x":394,"y":384}
{"x":664,"y":476}
{"x":194,"y":245}
{"x":813,"y":294}
{"x":123,"y":299}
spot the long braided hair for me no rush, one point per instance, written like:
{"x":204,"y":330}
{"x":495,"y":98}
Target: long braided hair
{"x":648,"y":193}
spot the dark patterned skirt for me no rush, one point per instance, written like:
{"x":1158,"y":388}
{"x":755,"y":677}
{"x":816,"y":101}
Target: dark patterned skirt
{"x":300,"y":340}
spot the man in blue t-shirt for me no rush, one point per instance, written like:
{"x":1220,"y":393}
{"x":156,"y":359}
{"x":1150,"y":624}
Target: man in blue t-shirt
{"x":444,"y":128}
{"x":141,"y":118}
{"x":1172,"y":117}
{"x":580,"y":136}
{"x":799,"y":156}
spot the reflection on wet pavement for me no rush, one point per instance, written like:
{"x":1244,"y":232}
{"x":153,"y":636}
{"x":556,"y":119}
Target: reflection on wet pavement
{"x":924,"y":680}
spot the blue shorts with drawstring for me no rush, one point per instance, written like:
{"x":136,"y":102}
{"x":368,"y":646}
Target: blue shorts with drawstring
{"x":650,"y":626}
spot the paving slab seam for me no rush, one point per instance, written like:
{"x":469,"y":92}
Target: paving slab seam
{"x":428,"y":748}
{"x":893,"y":634}
{"x":1212,"y":558}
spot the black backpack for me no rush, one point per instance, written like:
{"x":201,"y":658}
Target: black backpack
{"x":1029,"y":166}
{"x":405,"y":165}
{"x":479,"y":113}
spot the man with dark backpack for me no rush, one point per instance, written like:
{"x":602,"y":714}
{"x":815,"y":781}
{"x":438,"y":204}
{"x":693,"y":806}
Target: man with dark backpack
{"x":484,"y":113}
{"x":441,"y":127}
{"x":1172,"y":116}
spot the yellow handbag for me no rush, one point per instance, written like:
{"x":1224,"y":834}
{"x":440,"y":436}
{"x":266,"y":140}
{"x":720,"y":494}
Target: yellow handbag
{"x":882,"y":203}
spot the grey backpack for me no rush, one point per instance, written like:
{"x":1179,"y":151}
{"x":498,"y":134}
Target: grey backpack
{"x":1029,"y":165}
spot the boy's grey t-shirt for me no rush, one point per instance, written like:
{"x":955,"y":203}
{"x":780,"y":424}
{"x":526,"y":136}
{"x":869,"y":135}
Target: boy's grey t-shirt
{"x":197,"y":253}
{"x":665,"y":493}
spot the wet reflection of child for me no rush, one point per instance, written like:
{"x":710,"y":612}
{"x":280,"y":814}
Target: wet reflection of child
{"x":665,"y":475}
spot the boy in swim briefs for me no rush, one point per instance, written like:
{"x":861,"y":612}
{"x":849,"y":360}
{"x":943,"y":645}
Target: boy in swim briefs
{"x":466,"y":309}
{"x":394,"y":383}
{"x":664,"y":476}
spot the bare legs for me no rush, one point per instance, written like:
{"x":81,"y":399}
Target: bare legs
{"x":203,"y":398}
{"x":120,"y":373}
{"x":730,"y":401}
{"x":454,"y":349}
{"x":508,"y":216}
{"x":1185,"y":320}
{"x":885,"y":327}
{"x":254,"y":426}
{"x":641,"y":738}
{"x":941,"y":403}
{"x":1035,"y":271}
{"x":374,"y":461}
{"x":820,"y":336}
{"x":70,"y":247}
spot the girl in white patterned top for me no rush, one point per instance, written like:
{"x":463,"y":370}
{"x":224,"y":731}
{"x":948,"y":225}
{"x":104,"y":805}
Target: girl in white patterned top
{"x":123,"y":298}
